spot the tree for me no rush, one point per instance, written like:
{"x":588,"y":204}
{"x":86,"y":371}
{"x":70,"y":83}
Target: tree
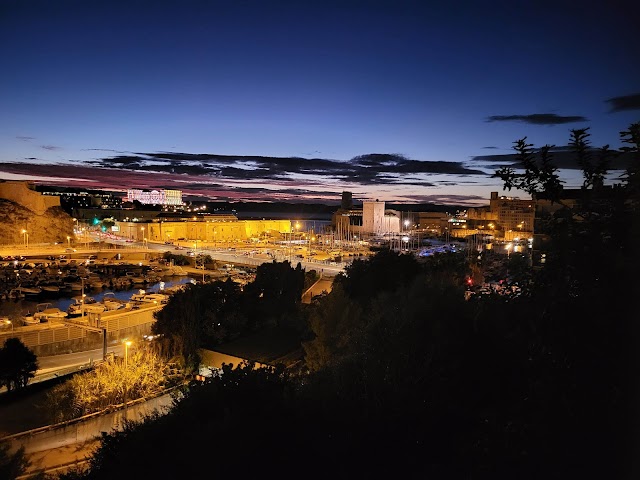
{"x":18,"y":364}
{"x":275,"y":293}
{"x":202,"y":314}
{"x":12,"y":465}
{"x":538,"y":175}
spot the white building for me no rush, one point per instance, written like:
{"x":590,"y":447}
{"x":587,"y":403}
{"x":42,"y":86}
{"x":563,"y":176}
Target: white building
{"x":375,"y":221}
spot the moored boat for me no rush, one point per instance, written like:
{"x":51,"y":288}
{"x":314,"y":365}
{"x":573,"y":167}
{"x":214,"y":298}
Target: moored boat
{"x":29,"y":319}
{"x":29,"y":290}
{"x":15,"y":294}
{"x":112,"y":303}
{"x":76,"y":308}
{"x":45,"y":312}
{"x":144,"y":297}
{"x":50,"y":288}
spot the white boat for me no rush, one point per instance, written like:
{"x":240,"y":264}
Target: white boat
{"x":15,"y":294}
{"x":29,"y":319}
{"x":136,"y":279}
{"x":112,"y":303}
{"x":96,"y":283}
{"x":75,"y":286}
{"x":29,"y":290}
{"x":50,"y":288}
{"x":144,"y":297}
{"x":45,"y":312}
{"x":76,"y":308}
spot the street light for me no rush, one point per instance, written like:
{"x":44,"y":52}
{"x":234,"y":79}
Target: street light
{"x":69,"y":241}
{"x":25,"y":238}
{"x":143,"y":237}
{"x":127,"y":344}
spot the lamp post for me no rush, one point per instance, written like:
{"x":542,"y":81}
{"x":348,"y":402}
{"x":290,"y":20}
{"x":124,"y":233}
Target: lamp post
{"x":25,"y":238}
{"x":82,"y":299}
{"x":127,"y":344}
{"x":143,"y":237}
{"x":69,"y":241}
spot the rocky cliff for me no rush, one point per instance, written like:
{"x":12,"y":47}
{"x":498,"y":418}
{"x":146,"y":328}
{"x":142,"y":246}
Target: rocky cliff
{"x":53,"y":225}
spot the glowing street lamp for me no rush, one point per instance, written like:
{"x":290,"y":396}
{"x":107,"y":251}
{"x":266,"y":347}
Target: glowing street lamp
{"x":144,"y":239}
{"x":69,"y":241}
{"x":127,"y":344}
{"x":25,"y":238}
{"x":6,"y":321}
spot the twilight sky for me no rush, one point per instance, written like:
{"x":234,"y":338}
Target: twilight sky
{"x":404,"y":101}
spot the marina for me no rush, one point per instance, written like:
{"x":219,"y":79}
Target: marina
{"x":26,"y":310}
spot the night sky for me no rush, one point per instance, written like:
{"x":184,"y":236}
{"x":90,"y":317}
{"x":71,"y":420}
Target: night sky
{"x":298,"y":101}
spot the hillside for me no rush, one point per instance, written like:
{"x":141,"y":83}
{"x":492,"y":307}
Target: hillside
{"x":52,"y":226}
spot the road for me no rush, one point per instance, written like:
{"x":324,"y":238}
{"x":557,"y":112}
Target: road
{"x":322,"y":285}
{"x":66,"y":360}
{"x":222,"y":255}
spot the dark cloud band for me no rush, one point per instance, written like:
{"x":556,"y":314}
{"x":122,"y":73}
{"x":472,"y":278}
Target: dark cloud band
{"x":538,"y":119}
{"x":626,"y":102}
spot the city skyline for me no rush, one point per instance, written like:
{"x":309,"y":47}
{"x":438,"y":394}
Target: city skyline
{"x":298,"y":102}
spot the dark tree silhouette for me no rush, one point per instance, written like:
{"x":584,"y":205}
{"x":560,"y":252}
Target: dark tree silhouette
{"x":18,"y":364}
{"x":12,"y":465}
{"x":275,"y":293}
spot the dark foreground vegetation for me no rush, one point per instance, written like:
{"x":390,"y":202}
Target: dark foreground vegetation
{"x":404,"y":378}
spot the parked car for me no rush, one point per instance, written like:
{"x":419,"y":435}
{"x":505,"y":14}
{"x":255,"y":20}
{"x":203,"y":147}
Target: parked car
{"x":179,"y":248}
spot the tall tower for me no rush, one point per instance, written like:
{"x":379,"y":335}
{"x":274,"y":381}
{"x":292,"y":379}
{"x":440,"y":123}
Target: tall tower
{"x":347,"y":201}
{"x":372,"y":217}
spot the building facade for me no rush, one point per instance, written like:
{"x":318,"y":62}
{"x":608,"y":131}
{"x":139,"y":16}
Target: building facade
{"x":210,"y":230}
{"x":155,"y":197}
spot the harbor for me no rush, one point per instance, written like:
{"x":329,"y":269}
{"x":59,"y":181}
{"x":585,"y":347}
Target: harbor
{"x":20,"y":307}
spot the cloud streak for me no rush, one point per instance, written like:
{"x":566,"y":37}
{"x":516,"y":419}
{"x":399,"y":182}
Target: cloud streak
{"x":258,"y":178}
{"x":625,"y":102}
{"x":369,"y":169}
{"x":538,"y":119}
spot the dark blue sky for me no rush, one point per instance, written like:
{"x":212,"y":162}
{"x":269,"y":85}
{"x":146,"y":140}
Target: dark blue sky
{"x":87,"y":82}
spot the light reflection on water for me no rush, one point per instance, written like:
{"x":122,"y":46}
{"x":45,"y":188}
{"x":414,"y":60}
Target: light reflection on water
{"x":16,"y":309}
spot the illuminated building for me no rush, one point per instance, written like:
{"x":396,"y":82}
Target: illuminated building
{"x":155,"y":197}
